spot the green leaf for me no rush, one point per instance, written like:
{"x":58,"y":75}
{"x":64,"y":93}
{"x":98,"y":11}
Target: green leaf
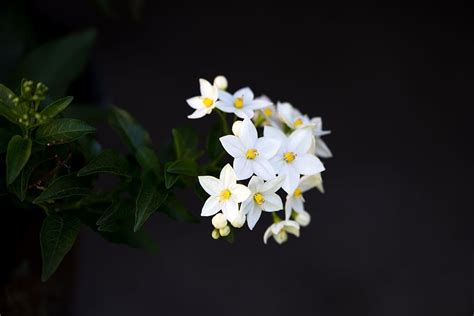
{"x":62,"y":131}
{"x":7,"y":112}
{"x":214,"y":147}
{"x":53,"y":109}
{"x":184,"y":167}
{"x":176,"y":210}
{"x":63,"y":187}
{"x":5,"y":135}
{"x":117,"y":210}
{"x":18,"y":153}
{"x":132,"y":133}
{"x":149,"y":199}
{"x":57,"y":237}
{"x":19,"y":187}
{"x":5,"y":94}
{"x":185,"y":142}
{"x":170,"y":179}
{"x":89,"y":147}
{"x":108,"y":161}
{"x":58,"y":62}
{"x":148,"y":160}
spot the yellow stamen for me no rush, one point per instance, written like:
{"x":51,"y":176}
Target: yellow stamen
{"x":297,"y":193}
{"x":297,"y":122}
{"x":251,"y":154}
{"x":268,"y":111}
{"x":289,"y":156}
{"x":239,"y":103}
{"x":225,"y":195}
{"x":207,"y":102}
{"x":259,"y":199}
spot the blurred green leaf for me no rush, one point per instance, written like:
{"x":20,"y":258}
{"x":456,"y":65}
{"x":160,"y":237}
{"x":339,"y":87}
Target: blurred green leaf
{"x":5,"y":94}
{"x":170,"y":178}
{"x":148,"y":160}
{"x":19,"y":187}
{"x":5,"y":135}
{"x":58,"y":62}
{"x":89,"y":147}
{"x":132,"y":133}
{"x":185,"y":142}
{"x":62,"y":131}
{"x":63,"y":187}
{"x":56,"y":107}
{"x":176,"y":210}
{"x":108,"y":161}
{"x":18,"y":153}
{"x":149,"y":199}
{"x":7,"y":112}
{"x":214,"y":147}
{"x":57,"y":237}
{"x":183,"y":167}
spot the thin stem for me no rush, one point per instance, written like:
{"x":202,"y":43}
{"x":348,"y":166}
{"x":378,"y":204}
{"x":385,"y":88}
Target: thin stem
{"x":223,"y":118}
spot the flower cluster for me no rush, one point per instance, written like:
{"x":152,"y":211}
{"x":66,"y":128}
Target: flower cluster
{"x":282,"y":159}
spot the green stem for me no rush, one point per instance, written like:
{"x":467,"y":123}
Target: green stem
{"x":223,"y":118}
{"x":275,"y":217}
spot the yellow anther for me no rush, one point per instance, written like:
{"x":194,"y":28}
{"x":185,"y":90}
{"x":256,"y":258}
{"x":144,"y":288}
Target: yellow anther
{"x":297,"y":122}
{"x":289,"y":156}
{"x":268,"y":111}
{"x":297,"y":192}
{"x":225,"y":195}
{"x":259,"y":199}
{"x":239,"y":103}
{"x":207,"y":102}
{"x":251,"y":154}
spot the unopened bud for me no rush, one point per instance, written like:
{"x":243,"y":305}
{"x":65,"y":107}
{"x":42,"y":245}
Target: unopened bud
{"x":215,"y":234}
{"x":236,"y":127}
{"x":303,"y":218}
{"x":224,"y":231}
{"x":219,"y":221}
{"x":239,"y":220}
{"x":220,"y":82}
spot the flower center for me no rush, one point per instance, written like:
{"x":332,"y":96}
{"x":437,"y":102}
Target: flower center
{"x":207,"y":102}
{"x":251,"y":154}
{"x":297,"y":192}
{"x":259,"y":199}
{"x":225,"y":195}
{"x":268,"y":111}
{"x":297,"y":122}
{"x":289,"y":156}
{"x":239,"y":103}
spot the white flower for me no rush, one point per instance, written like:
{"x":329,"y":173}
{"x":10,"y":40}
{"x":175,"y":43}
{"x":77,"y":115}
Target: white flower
{"x":320,"y":147}
{"x":220,"y":82}
{"x":262,"y":198}
{"x":292,"y":117}
{"x":303,"y":218}
{"x":219,"y":221}
{"x":269,"y":113}
{"x":293,"y":159}
{"x":251,"y":153}
{"x":279,"y":231}
{"x":242,"y":103}
{"x":225,"y":193}
{"x":239,"y":220}
{"x":206,"y":102}
{"x":295,"y":201}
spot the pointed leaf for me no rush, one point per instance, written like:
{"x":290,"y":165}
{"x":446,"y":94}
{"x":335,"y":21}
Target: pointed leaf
{"x":63,"y":187}
{"x":108,"y":161}
{"x":62,"y":131}
{"x":149,"y":199}
{"x":185,"y":142}
{"x":7,"y":112}
{"x":57,"y":237}
{"x":18,"y":153}
{"x":19,"y":187}
{"x":184,"y":167}
{"x":53,"y":109}
{"x":6,"y":95}
{"x":148,"y":160}
{"x":132,"y":133}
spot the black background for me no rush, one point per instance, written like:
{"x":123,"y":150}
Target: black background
{"x":393,"y":233}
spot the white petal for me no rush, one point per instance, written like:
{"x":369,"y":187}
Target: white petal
{"x":239,"y":192}
{"x":272,"y":202}
{"x":298,"y":205}
{"x":198,"y":113}
{"x":248,"y":134}
{"x":322,"y":150}
{"x":288,"y":206}
{"x":255,"y":184}
{"x":211,"y":206}
{"x":233,"y":145}
{"x":267,"y":147}
{"x":309,"y":182}
{"x":244,"y":93}
{"x":195,"y":103}
{"x":230,"y":209}
{"x":207,"y":89}
{"x":267,"y":234}
{"x":277,"y":227}
{"x":247,"y":205}
{"x":226,"y":97}
{"x":211,"y":185}
{"x":236,"y":127}
{"x":258,"y":104}
{"x":253,"y":216}
{"x":293,"y":230}
{"x":263,"y":168}
{"x":224,"y":107}
{"x":308,"y":164}
{"x":243,"y":168}
{"x":292,"y":178}
{"x":227,"y":176}
{"x":272,"y":132}
{"x":300,"y":140}
{"x":287,"y":113}
{"x":243,"y":113}
{"x":273,"y":185}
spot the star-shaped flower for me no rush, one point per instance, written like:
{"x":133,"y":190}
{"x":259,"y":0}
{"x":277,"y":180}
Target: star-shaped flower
{"x":225,"y":194}
{"x":251,"y":153}
{"x":262,"y":198}
{"x":279,"y":231}
{"x":295,"y":201}
{"x":320,"y":147}
{"x":241,"y":103}
{"x":206,"y":102}
{"x":292,"y":117}
{"x":293,"y":159}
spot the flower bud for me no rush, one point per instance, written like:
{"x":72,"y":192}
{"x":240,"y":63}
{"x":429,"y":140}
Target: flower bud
{"x":220,"y":82}
{"x":219,"y":221}
{"x":215,"y":234}
{"x":224,"y":231}
{"x":303,"y":218}
{"x":236,"y":127}
{"x":239,"y":220}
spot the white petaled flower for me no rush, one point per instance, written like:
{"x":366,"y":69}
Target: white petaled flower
{"x":280,"y":231}
{"x":241,"y":103}
{"x":262,"y":198}
{"x":320,"y":147}
{"x":295,"y":201}
{"x":303,"y":218}
{"x":293,"y":159}
{"x":292,"y":117}
{"x":225,"y":194}
{"x":220,"y":82}
{"x":206,"y":102}
{"x":251,"y":153}
{"x":269,"y":113}
{"x":239,"y":220}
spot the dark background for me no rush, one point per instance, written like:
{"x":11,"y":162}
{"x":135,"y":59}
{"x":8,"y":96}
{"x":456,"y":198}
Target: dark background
{"x":393,"y":233}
